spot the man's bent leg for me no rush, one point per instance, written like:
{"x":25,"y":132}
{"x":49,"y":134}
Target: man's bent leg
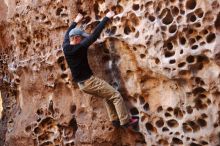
{"x":93,"y":89}
{"x":113,"y":116}
{"x":98,"y":87}
{"x":120,"y":107}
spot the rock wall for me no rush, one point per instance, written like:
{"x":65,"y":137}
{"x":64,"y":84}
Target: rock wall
{"x":163,"y":56}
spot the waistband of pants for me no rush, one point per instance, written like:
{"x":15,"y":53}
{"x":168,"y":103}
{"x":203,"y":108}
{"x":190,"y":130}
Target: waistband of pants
{"x":82,"y":82}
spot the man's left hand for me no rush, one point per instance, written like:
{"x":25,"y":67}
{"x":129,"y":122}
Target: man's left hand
{"x":78,"y":17}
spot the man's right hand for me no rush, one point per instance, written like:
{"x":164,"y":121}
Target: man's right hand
{"x":110,"y":14}
{"x":78,"y":17}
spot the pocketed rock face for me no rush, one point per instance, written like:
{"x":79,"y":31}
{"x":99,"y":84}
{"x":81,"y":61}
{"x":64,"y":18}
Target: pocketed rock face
{"x":163,"y":56}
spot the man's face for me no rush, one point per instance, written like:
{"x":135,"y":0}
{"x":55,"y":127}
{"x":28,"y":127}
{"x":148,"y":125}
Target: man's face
{"x":75,"y":39}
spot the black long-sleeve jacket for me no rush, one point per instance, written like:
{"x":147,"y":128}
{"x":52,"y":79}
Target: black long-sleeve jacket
{"x":76,"y":55}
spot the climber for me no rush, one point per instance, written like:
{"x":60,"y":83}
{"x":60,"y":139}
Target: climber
{"x":75,"y":47}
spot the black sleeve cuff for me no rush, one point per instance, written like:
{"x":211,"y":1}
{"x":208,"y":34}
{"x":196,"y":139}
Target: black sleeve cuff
{"x":105,"y":19}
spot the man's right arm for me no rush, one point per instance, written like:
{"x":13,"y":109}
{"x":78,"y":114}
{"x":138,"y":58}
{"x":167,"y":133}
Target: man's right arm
{"x":96,"y":33}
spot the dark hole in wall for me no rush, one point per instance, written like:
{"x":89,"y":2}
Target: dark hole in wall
{"x":190,"y":59}
{"x":127,"y":30}
{"x":169,"y":109}
{"x":149,"y":127}
{"x":199,"y":81}
{"x":58,"y":11}
{"x":194,"y":126}
{"x":146,"y":106}
{"x":164,"y":129}
{"x":172,"y":61}
{"x":73,"y":124}
{"x":196,"y":67}
{"x":163,"y":142}
{"x":197,"y":24}
{"x":182,"y":40}
{"x":199,"y":12}
{"x":191,"y":4}
{"x":175,"y":11}
{"x":169,"y":53}
{"x":134,"y":19}
{"x":73,"y":108}
{"x":157,"y":60}
{"x":48,"y":143}
{"x":186,"y":128}
{"x":151,"y":18}
{"x":183,"y":72}
{"x":169,"y":46}
{"x":117,"y":9}
{"x":190,"y":31}
{"x":63,"y":76}
{"x":172,"y":28}
{"x":141,"y":99}
{"x":210,"y":38}
{"x":217,"y":22}
{"x":47,"y":121}
{"x":178,"y":112}
{"x":168,"y":19}
{"x":199,"y":104}
{"x":201,"y":122}
{"x":60,"y":59}
{"x":198,"y":90}
{"x":177,"y":141}
{"x":205,"y":31}
{"x":135,"y":7}
{"x":159,"y":109}
{"x":172,"y":123}
{"x":163,"y":28}
{"x":189,"y":109}
{"x":163,"y":13}
{"x":113,"y":30}
{"x":160,"y":123}
{"x":142,"y":55}
{"x":96,"y":8}
{"x":182,"y":64}
{"x":137,"y":34}
{"x":106,"y":58}
{"x":195,"y":144}
{"x":40,"y":111}
{"x":134,"y":111}
{"x":194,"y":47}
{"x":37,"y":130}
{"x":167,"y":114}
{"x":202,"y":58}
{"x":198,"y":37}
{"x":63,"y":67}
{"x":193,"y":18}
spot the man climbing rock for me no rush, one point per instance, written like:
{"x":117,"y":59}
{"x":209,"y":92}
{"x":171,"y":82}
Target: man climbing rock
{"x":75,"y":47}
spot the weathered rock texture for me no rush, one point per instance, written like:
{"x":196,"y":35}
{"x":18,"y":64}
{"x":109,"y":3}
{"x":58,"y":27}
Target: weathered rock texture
{"x":162,"y":55}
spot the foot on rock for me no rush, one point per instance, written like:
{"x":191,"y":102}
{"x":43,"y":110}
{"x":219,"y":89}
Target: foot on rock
{"x":132,"y":122}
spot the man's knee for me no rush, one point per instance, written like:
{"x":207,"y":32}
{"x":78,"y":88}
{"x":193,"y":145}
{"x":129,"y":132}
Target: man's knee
{"x":116,"y":96}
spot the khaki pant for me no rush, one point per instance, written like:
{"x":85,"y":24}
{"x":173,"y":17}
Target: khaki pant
{"x":112,"y":98}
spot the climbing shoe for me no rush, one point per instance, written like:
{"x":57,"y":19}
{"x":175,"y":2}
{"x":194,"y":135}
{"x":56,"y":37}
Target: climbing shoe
{"x":132,"y":122}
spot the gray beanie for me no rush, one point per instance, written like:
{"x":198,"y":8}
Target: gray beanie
{"x":77,"y":31}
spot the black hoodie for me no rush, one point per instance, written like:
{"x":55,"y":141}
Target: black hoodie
{"x":76,"y":55}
